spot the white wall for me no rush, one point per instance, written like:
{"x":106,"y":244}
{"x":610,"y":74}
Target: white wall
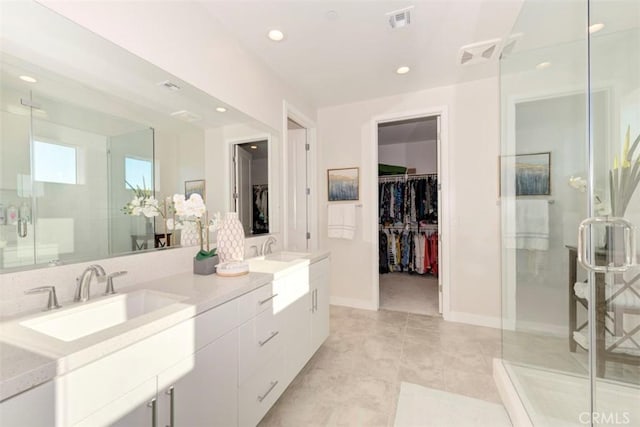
{"x":183,"y":39}
{"x":346,"y":140}
{"x":421,"y":155}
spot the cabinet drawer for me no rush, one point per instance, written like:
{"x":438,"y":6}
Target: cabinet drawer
{"x":319,"y":269}
{"x":260,"y":391}
{"x":255,"y":302}
{"x":212,"y":324}
{"x":259,"y":339}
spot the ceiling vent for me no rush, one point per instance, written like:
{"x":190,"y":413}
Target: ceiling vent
{"x":510,"y":44}
{"x":169,"y":85}
{"x":186,"y":116}
{"x":400,"y":18}
{"x":477,"y":53}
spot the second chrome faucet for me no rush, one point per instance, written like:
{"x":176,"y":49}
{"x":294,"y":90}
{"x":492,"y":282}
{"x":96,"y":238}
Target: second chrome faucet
{"x":83,"y":282}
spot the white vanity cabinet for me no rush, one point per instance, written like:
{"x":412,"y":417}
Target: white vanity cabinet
{"x":319,"y":277}
{"x":202,"y":387}
{"x":33,"y":408}
{"x":260,"y":360}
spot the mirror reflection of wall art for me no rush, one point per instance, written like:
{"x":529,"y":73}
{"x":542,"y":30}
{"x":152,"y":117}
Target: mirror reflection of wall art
{"x":343,"y":184}
{"x":532,"y":174}
{"x":197,"y":186}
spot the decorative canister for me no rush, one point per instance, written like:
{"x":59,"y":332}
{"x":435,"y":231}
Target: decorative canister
{"x":231,"y":239}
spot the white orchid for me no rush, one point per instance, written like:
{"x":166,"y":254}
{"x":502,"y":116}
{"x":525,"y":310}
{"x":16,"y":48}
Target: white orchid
{"x":578,"y":183}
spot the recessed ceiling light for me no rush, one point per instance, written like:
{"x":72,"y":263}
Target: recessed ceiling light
{"x":254,"y":147}
{"x":276,"y":35}
{"x":221,"y":109}
{"x":332,"y":15}
{"x":543,"y":65}
{"x":403,"y":70}
{"x":595,"y":27}
{"x":28,"y":79}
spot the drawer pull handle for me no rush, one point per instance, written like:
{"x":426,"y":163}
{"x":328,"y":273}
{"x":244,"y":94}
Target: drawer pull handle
{"x":271,"y":387}
{"x":171,"y":393}
{"x":273,"y":334}
{"x":264,"y":301}
{"x":154,"y":412}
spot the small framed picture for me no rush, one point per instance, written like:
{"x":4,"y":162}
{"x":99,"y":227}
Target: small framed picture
{"x":197,"y":187}
{"x":531,"y":173}
{"x":343,"y":184}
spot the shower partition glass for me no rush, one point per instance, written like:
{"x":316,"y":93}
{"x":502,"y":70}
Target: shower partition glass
{"x":568,"y":96}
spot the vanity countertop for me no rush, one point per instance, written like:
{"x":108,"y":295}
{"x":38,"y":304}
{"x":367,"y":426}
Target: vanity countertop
{"x":29,"y":358}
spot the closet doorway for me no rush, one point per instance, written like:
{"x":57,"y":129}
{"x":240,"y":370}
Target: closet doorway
{"x":408,"y":200}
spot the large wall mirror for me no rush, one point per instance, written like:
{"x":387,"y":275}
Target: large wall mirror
{"x":82,"y":123}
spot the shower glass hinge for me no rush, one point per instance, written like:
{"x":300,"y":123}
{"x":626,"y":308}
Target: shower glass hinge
{"x":308,"y":235}
{"x":308,"y":191}
{"x":307,"y":147}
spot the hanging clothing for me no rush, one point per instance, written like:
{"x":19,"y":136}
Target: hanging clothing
{"x":408,"y":203}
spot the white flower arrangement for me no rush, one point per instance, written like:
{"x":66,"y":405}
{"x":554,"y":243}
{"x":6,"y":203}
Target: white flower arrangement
{"x":143,"y":203}
{"x":194,"y":210}
{"x":182,"y":210}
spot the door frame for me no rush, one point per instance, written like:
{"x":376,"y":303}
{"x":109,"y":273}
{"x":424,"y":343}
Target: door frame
{"x":508,"y":287}
{"x":230,"y":149}
{"x":289,"y":111}
{"x":443,"y":199}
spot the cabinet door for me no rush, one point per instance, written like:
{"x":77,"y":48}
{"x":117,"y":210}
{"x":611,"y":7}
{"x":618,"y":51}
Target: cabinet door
{"x":320,"y":316}
{"x":35,"y":407}
{"x":202,"y":389}
{"x":135,"y":408}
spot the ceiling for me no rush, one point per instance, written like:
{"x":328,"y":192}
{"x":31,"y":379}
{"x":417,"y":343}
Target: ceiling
{"x":408,"y":131}
{"x":352,"y":54}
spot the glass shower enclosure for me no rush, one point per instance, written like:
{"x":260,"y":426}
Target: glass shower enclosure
{"x":570,"y":168}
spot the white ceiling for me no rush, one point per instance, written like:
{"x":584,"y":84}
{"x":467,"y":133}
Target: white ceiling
{"x":354,"y":56}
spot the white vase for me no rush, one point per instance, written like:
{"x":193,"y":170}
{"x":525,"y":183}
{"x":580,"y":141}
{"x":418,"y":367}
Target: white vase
{"x":231,"y":239}
{"x":189,"y":234}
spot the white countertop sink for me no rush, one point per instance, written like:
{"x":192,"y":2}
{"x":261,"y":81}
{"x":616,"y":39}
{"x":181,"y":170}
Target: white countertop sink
{"x":286,"y":256}
{"x":91,"y":317}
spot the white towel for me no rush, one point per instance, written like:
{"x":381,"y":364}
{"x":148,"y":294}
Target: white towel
{"x":532,"y":225}
{"x":342,"y":221}
{"x":628,"y":298}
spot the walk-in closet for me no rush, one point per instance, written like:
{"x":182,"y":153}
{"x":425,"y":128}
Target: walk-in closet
{"x":408,"y":189}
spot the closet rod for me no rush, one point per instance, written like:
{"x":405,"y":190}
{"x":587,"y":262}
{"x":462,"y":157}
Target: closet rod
{"x":407,"y":176}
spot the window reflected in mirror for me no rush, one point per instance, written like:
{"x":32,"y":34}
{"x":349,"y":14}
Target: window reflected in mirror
{"x":251,"y":185}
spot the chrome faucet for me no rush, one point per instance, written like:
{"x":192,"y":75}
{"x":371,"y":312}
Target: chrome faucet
{"x":266,"y":245}
{"x":84,"y":281}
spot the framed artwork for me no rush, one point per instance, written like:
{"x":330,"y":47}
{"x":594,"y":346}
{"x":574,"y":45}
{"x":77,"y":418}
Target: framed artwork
{"x":343,"y":184}
{"x":531,"y":173}
{"x":197,"y":186}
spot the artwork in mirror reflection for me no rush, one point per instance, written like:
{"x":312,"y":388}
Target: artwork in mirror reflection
{"x":251,"y":192}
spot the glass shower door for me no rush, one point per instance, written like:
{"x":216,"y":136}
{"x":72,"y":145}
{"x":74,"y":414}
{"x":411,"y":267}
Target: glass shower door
{"x":615,"y":72}
{"x":544,"y":167}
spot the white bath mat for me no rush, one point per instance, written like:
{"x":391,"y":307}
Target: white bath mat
{"x":425,"y":407}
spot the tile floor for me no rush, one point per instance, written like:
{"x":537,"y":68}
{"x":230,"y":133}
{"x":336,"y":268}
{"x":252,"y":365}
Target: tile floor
{"x":409,"y":293}
{"x":354,"y":378}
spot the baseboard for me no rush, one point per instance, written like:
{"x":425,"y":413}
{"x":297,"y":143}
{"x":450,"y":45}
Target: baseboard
{"x":543,"y":328}
{"x":353,"y":303}
{"x":473,"y":319}
{"x":509,"y":396}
